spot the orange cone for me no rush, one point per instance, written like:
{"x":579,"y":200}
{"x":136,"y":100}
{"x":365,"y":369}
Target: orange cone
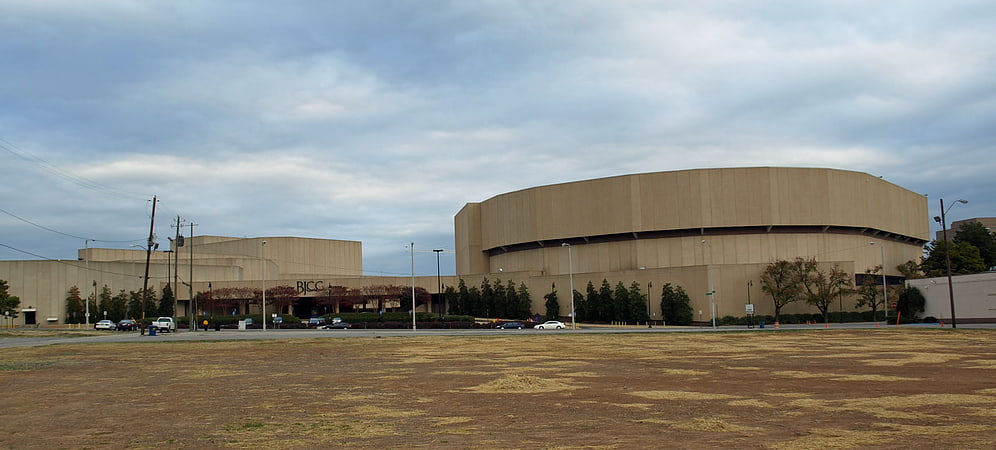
{"x":876,"y":324}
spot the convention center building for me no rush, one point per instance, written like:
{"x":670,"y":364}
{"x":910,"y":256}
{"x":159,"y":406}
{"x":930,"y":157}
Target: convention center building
{"x":710,"y":231}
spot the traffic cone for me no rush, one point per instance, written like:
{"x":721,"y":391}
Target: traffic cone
{"x":777,"y":325}
{"x":876,"y":324}
{"x":827,"y":325}
{"x":942,"y":324}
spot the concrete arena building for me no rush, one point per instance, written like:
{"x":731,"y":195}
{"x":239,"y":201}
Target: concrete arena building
{"x":666,"y":227}
{"x":645,"y":228}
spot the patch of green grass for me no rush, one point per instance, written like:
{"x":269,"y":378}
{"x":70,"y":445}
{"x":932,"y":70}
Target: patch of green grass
{"x":23,"y":365}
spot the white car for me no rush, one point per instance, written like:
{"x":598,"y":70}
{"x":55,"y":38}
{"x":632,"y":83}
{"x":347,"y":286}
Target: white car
{"x":104,"y":325}
{"x":551,"y":325}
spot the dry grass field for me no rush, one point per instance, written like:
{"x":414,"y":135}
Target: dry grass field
{"x":906,"y":388}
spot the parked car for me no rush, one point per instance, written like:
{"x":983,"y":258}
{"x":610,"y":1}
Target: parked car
{"x":551,"y":324}
{"x":511,"y":326}
{"x":164,"y":324}
{"x":340,"y":325}
{"x":316,"y":322}
{"x":277,"y":321}
{"x":127,"y":325}
{"x":104,"y":325}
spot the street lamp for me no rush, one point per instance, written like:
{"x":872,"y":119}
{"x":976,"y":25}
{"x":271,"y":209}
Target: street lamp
{"x":947,"y":255}
{"x":262,"y":258}
{"x":885,"y":287}
{"x":650,"y":290}
{"x":712,"y":289}
{"x":413,"y":286}
{"x":570,"y":271}
{"x":439,"y":283}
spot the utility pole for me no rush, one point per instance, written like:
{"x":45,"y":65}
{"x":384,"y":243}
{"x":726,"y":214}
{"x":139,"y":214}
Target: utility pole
{"x":148,"y":259}
{"x":191,"y":304}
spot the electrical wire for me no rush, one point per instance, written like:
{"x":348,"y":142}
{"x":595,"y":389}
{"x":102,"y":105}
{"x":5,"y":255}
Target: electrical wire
{"x":64,"y":174}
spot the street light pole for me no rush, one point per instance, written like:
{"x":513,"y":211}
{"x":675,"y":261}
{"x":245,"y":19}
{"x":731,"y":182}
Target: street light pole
{"x":439,"y":283}
{"x":712,"y":288}
{"x":650,"y":290}
{"x":885,"y":287}
{"x":570,"y":271}
{"x":263,"y":262}
{"x":413,"y":286}
{"x":947,"y":256}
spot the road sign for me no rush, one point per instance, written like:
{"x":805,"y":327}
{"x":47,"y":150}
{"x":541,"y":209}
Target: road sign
{"x":750,"y":308}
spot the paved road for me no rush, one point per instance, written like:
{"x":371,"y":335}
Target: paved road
{"x":225,"y":335}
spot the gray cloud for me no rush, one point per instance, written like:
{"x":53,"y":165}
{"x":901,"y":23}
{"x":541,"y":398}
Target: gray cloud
{"x":377,"y":121}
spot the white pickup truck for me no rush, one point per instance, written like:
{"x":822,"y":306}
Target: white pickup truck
{"x":164,"y":324}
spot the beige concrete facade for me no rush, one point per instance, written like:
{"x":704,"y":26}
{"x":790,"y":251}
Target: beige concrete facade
{"x":650,"y":228}
{"x":222,"y":261}
{"x":974,"y":297}
{"x":645,"y":228}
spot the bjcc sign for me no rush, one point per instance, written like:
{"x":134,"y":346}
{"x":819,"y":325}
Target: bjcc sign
{"x":304,"y":287}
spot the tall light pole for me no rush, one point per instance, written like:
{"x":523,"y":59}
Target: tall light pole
{"x":947,"y":255}
{"x":570,"y":271}
{"x":413,"y":285}
{"x":885,"y":287}
{"x":712,"y":289}
{"x":439,"y":282}
{"x":86,"y":243}
{"x":262,"y":254}
{"x":190,"y":286}
{"x":650,"y":290}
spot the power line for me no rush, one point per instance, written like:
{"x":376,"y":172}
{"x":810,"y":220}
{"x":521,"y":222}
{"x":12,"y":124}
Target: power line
{"x":64,"y":174}
{"x":74,"y":263}
{"x":59,"y":232}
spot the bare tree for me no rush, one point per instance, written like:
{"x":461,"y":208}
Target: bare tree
{"x":779,"y":281}
{"x":818,"y":287}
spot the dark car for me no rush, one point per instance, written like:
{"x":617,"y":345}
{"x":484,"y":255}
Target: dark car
{"x":316,"y":322}
{"x":511,"y":326}
{"x":337,"y":326}
{"x":126,"y":325}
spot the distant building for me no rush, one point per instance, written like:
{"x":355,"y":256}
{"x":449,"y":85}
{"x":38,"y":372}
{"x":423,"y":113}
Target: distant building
{"x":953,"y":227}
{"x":692,"y":228}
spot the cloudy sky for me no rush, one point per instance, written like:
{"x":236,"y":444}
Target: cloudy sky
{"x":377,"y":121}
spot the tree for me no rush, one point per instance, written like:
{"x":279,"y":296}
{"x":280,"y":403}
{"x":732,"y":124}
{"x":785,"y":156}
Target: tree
{"x":74,"y":306}
{"x":119,"y":306}
{"x":236,"y":298}
{"x":452,"y":300}
{"x":501,"y":300}
{"x":106,"y":305}
{"x":585,"y":309}
{"x":981,"y":238}
{"x":281,"y":297}
{"x":8,"y":303}
{"x":620,"y":304}
{"x":676,"y":307}
{"x":869,"y":293}
{"x":779,"y":281}
{"x":911,"y":270}
{"x":965,"y":259}
{"x":488,"y":299}
{"x":820,"y":288}
{"x":911,"y":303}
{"x":524,"y":301}
{"x":552,"y":305}
{"x":637,"y":303}
{"x":605,"y":311}
{"x":166,"y":302}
